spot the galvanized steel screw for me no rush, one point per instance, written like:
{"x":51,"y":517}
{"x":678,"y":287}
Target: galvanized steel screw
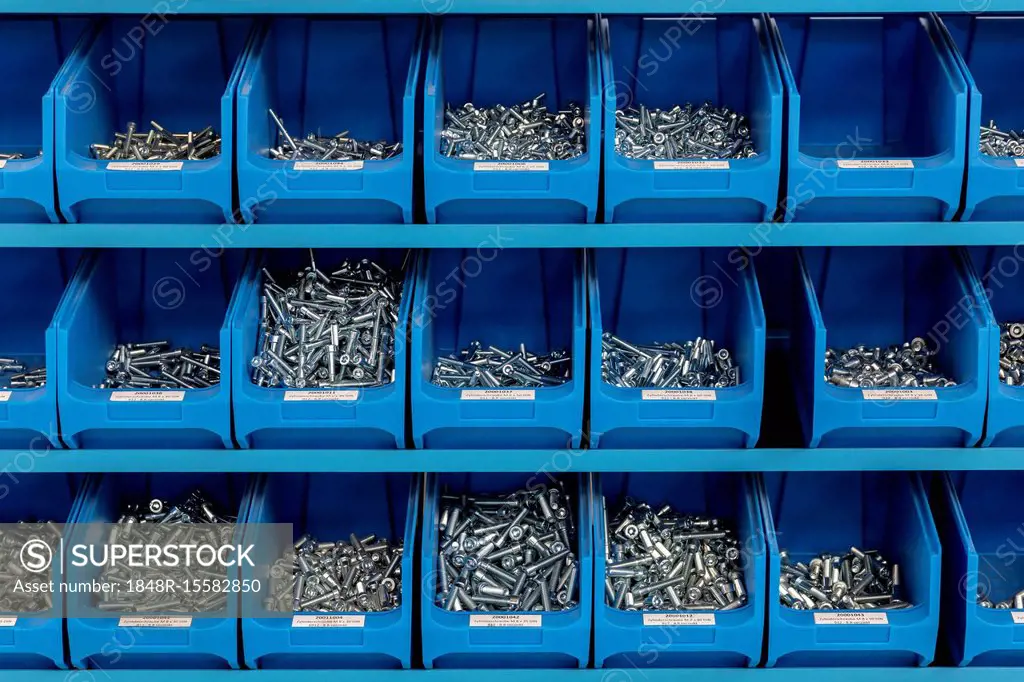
{"x":521,"y":132}
{"x":154,"y":365}
{"x":683,"y":132}
{"x":996,"y":142}
{"x":26,"y":598}
{"x":1016,"y":602}
{"x":691,"y":364}
{"x":159,"y":145}
{"x":21,"y":377}
{"x":856,"y":581}
{"x":16,"y":156}
{"x":492,"y":367}
{"x":1011,"y":353}
{"x":340,"y":147}
{"x":906,"y":366}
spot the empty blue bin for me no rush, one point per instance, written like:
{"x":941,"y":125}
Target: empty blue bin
{"x":329,"y":507}
{"x":996,"y":269}
{"x":178,"y":71}
{"x":645,"y":296}
{"x":535,"y":297}
{"x":979,"y":524}
{"x":99,"y":642}
{"x":877,"y":112}
{"x":622,"y":639}
{"x":560,"y":640}
{"x":882,"y":297}
{"x":508,"y":60}
{"x":984,"y":46}
{"x":807,"y":514}
{"x":38,"y":48}
{"x":37,"y":640}
{"x":290,"y":65}
{"x":291,"y":418}
{"x":135,"y":296}
{"x":668,"y":61}
{"x":38,"y":280}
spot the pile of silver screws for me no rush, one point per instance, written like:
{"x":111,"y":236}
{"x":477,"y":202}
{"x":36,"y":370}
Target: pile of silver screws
{"x":666,"y":561}
{"x":1016,"y":602}
{"x":522,"y":132}
{"x":159,"y":145}
{"x":492,"y":367}
{"x":16,"y":156}
{"x":332,"y":330}
{"x":906,"y":366}
{"x":704,"y":132}
{"x":507,"y":553}
{"x":1011,"y":353}
{"x":340,"y":147}
{"x":996,"y":142}
{"x":22,"y":377}
{"x":155,"y":365}
{"x":362,"y":575}
{"x":857,"y":581}
{"x":26,"y":598}
{"x":691,"y":364}
{"x":193,"y":520}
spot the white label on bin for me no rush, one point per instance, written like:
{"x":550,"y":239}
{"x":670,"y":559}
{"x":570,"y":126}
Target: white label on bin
{"x":1018,"y":161}
{"x":678,"y":619}
{"x":147,"y":396}
{"x":144,"y":165}
{"x":5,"y":396}
{"x":900,"y":394}
{"x":691,"y":165}
{"x":328,"y":165}
{"x":328,"y":621}
{"x":1018,"y":617}
{"x":155,"y":622}
{"x":497,"y":394}
{"x":879,"y":164}
{"x":319,"y":396}
{"x":3,"y":162}
{"x":851,"y":618}
{"x":505,"y":166}
{"x":683,"y":394}
{"x":505,"y":620}
{"x":8,"y":622}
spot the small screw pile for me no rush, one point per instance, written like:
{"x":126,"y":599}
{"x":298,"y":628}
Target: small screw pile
{"x":492,"y":367}
{"x":705,"y":132}
{"x":193,"y":520}
{"x":522,"y":132}
{"x":329,"y":331}
{"x":996,"y":142}
{"x":26,"y":599}
{"x":340,"y":147}
{"x":906,"y":366}
{"x":691,"y":364}
{"x":154,"y":365}
{"x":667,"y":561}
{"x":857,"y":581}
{"x":22,"y":376}
{"x":507,"y":553}
{"x":1011,"y":353}
{"x":1016,"y":602}
{"x":16,"y":156}
{"x":159,"y":145}
{"x":364,"y":574}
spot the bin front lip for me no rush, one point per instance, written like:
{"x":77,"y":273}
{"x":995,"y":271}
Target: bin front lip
{"x":542,"y":394}
{"x":960,"y":392}
{"x":554,"y":165}
{"x":88,"y":163}
{"x":933,"y":161}
{"x":277,"y":395}
{"x":266,"y":164}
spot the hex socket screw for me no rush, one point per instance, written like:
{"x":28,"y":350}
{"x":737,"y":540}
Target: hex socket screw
{"x":339,"y":147}
{"x":20,"y":375}
{"x":691,"y":364}
{"x":1011,"y":353}
{"x":987,"y":601}
{"x":683,"y":132}
{"x":995,"y":142}
{"x":859,"y":580}
{"x":158,"y":144}
{"x":909,"y":365}
{"x":23,"y":591}
{"x":478,"y":366}
{"x":154,"y":365}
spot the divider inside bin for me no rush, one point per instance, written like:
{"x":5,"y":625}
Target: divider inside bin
{"x":871,"y":79}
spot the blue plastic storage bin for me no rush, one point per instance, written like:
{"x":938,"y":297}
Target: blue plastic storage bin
{"x":535,"y":297}
{"x":37,"y":50}
{"x":329,"y":507}
{"x":667,"y":61}
{"x":134,"y":296}
{"x":810,"y":513}
{"x":101,"y":643}
{"x":267,"y":418}
{"x":563,"y":638}
{"x":293,"y":53}
{"x":621,"y":639}
{"x":38,"y":280}
{"x":979,"y":525}
{"x":179,"y":71}
{"x":508,"y":60}
{"x":877,"y":112}
{"x":38,"y":642}
{"x":984,"y":46}
{"x":674,"y":295}
{"x":882,"y":297}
